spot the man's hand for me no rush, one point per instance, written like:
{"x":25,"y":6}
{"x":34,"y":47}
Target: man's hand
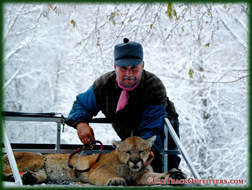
{"x":85,"y":133}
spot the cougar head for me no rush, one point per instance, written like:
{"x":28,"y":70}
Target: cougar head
{"x":135,"y":152}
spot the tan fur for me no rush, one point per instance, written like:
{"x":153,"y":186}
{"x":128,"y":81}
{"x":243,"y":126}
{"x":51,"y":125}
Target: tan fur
{"x":122,"y":166}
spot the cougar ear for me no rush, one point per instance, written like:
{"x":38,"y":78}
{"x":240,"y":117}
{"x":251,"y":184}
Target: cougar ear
{"x":116,"y":144}
{"x":151,"y":140}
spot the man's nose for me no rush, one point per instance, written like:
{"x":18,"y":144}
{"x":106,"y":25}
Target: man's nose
{"x":128,"y":73}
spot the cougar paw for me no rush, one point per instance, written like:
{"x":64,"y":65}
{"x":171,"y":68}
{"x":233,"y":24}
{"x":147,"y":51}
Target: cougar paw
{"x":176,"y":174}
{"x":9,"y":177}
{"x":29,"y":178}
{"x":116,"y":182}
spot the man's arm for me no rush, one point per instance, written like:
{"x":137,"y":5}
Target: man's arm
{"x":84,"y":108}
{"x":153,"y":124}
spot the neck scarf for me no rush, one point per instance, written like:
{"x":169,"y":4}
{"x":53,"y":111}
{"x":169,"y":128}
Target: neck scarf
{"x":123,"y":100}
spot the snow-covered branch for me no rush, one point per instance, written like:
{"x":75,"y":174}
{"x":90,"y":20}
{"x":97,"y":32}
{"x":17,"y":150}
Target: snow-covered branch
{"x":233,"y":32}
{"x":12,"y":78}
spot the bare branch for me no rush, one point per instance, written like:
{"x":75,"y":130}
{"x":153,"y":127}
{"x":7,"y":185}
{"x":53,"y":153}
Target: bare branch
{"x":12,"y":24}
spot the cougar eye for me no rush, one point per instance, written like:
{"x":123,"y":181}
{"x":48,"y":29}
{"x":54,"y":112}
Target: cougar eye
{"x":141,"y":151}
{"x":127,"y":152}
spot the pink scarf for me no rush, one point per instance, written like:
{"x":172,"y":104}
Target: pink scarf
{"x":123,"y":100}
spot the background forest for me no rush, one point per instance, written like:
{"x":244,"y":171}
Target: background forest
{"x":53,"y":52}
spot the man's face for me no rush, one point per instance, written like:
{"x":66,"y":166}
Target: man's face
{"x":129,"y":75}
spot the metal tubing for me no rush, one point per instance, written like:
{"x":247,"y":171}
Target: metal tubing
{"x":11,"y":158}
{"x":41,"y":119}
{"x":58,"y":138}
{"x":165,"y":155}
{"x":182,"y":149}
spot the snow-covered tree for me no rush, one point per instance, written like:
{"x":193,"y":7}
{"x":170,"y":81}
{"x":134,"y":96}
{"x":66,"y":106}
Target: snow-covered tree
{"x":52,"y":52}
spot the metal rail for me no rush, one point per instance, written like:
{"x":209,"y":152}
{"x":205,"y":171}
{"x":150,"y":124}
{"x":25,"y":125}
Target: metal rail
{"x":47,"y":117}
{"x":182,"y":149}
{"x":11,"y":158}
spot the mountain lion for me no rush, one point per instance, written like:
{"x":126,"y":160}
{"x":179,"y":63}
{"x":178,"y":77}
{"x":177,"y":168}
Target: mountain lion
{"x":128,"y":164}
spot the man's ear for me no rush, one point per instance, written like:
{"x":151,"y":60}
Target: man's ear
{"x":115,"y":67}
{"x":116,"y":144}
{"x":151,"y":140}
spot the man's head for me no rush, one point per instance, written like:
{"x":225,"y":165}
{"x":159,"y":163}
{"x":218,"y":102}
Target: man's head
{"x":129,"y":62}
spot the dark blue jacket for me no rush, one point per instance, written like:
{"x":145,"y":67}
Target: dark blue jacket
{"x":144,"y":113}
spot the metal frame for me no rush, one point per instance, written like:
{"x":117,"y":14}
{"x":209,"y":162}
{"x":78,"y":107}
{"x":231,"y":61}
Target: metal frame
{"x":60,"y":120}
{"x":12,"y":160}
{"x":181,"y":148}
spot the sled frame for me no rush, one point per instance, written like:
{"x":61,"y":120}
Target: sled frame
{"x":59,"y":148}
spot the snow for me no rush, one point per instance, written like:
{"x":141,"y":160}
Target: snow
{"x":48,"y":61}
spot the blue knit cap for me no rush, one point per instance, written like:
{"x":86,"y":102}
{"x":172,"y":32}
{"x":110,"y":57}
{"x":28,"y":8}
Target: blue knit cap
{"x":128,"y":53}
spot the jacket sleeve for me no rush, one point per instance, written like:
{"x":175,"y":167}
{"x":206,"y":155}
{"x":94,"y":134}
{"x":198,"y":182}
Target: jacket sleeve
{"x":153,"y":124}
{"x":84,"y":108}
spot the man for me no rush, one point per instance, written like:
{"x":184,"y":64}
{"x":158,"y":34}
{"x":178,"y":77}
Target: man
{"x":134,"y":99}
